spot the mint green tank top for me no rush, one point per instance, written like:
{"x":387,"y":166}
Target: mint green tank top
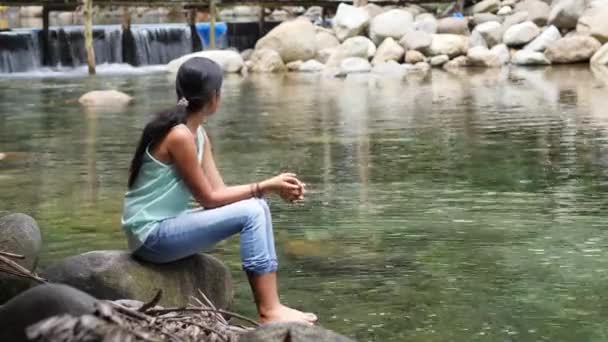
{"x":158,"y":193}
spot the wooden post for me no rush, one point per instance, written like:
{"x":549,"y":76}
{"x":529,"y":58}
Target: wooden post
{"x":212,"y":24}
{"x":261,"y":23}
{"x":88,"y":35}
{"x":197,"y":42}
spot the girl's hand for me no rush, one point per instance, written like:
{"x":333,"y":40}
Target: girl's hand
{"x":286,"y":185}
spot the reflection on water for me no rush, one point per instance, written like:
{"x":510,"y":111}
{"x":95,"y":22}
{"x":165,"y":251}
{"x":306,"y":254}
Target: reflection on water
{"x":453,"y":207}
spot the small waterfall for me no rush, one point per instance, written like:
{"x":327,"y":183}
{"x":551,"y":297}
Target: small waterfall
{"x":159,"y":44}
{"x":19,"y":51}
{"x":66,"y":46}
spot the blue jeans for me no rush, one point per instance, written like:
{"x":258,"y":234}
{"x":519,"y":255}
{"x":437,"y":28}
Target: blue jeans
{"x":195,"y":231}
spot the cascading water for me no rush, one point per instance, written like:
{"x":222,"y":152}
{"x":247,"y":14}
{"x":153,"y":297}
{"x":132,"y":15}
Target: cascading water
{"x":160,"y":44}
{"x":19,"y":51}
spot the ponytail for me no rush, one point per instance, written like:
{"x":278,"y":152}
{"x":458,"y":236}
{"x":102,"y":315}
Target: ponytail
{"x":153,"y":133}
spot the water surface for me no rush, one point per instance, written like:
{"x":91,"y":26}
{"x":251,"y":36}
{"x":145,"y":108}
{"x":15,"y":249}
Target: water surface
{"x":447,"y":207}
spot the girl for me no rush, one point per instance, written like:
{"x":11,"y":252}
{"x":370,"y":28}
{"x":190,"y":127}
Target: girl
{"x":173,"y":163}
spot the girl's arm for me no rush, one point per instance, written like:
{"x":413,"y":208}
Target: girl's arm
{"x":209,"y":166}
{"x":182,"y":150}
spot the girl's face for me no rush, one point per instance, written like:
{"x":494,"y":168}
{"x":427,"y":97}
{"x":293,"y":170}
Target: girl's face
{"x":214,"y":104}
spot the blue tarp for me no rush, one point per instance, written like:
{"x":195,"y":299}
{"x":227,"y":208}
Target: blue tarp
{"x":221,"y":33}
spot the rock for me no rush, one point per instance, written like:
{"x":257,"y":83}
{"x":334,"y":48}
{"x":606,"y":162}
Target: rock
{"x":413,"y":57}
{"x":314,"y":14}
{"x":599,"y":25}
{"x":326,"y":40}
{"x":103,"y":98}
{"x":324,"y":55}
{"x":350,"y":21}
{"x":491,"y":32}
{"x":311,"y":66}
{"x":514,"y":19}
{"x":19,"y":234}
{"x":296,"y":332}
{"x":505,"y":10}
{"x":546,"y":38}
{"x":230,"y":61}
{"x":266,"y":60}
{"x":440,"y":60}
{"x":416,"y":40}
{"x":520,"y":34}
{"x":389,"y":50}
{"x":352,"y":47}
{"x":117,"y":275}
{"x":30,"y":12}
{"x":293,"y":40}
{"x":354,"y":65}
{"x":502,"y":51}
{"x":456,"y":63}
{"x":390,"y":69}
{"x":565,"y":13}
{"x":393,"y":24}
{"x":486,"y":6}
{"x":525,"y":57}
{"x":480,"y":56}
{"x":448,"y":44}
{"x":572,"y":49}
{"x":373,"y":10}
{"x":426,"y":22}
{"x":39,"y":303}
{"x":538,"y":11}
{"x":594,"y":11}
{"x":476,"y":39}
{"x":294,"y":66}
{"x":601,"y":56}
{"x":422,"y":67}
{"x":453,"y":25}
{"x":246,"y":54}
{"x":481,"y":18}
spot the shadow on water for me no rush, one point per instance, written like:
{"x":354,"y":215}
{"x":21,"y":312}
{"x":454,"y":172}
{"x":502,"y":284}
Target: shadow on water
{"x":457,"y":206}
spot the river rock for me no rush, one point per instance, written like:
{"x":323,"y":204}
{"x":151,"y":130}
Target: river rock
{"x":350,"y":21}
{"x":353,"y":65}
{"x":324,"y":55}
{"x":352,"y":47}
{"x":39,"y":303}
{"x":389,"y":50}
{"x":480,"y":56}
{"x":520,"y":34}
{"x":486,"y":6}
{"x":390,"y":69}
{"x":440,"y":60}
{"x":426,"y":22}
{"x":117,"y":275}
{"x":416,"y":40}
{"x":476,"y":39}
{"x":19,"y":234}
{"x":413,"y":57}
{"x":453,"y":25}
{"x":456,"y":63}
{"x":514,"y":19}
{"x":594,"y":9}
{"x":601,"y":56}
{"x":491,"y":32}
{"x":294,"y":66}
{"x":546,"y":38}
{"x":503,"y":53}
{"x":246,"y":54}
{"x":565,"y":13}
{"x":266,"y":60}
{"x":311,"y":66}
{"x":572,"y":49}
{"x":481,"y":18}
{"x":373,"y":10}
{"x":448,"y":44}
{"x":296,"y":332}
{"x":393,"y":24}
{"x":99,"y":98}
{"x":326,"y":40}
{"x":293,"y":40}
{"x":599,"y":25}
{"x":538,"y":11}
{"x":230,"y":61}
{"x":526,"y":57}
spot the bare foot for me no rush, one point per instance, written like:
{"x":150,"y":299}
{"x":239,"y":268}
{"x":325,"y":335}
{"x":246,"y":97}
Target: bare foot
{"x":287,"y":314}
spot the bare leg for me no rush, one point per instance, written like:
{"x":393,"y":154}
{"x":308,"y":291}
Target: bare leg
{"x":270,"y":309}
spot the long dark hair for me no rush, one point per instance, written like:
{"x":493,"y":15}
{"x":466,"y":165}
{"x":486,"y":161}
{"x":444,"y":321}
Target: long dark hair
{"x":198,"y":80}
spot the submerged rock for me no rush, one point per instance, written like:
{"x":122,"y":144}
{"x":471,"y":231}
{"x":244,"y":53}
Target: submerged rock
{"x":117,"y":275}
{"x":103,"y":98}
{"x":19,"y":234}
{"x":266,"y":60}
{"x":280,"y":332}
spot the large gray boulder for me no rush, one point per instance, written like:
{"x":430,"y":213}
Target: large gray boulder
{"x":39,"y":303}
{"x":117,"y":275}
{"x":389,"y":50}
{"x":565,"y":13}
{"x":520,"y":34}
{"x":230,"y":61}
{"x":394,"y":24}
{"x":350,"y":21}
{"x":491,"y":32}
{"x":426,"y":22}
{"x":546,"y":38}
{"x":294,"y":332}
{"x":525,"y":57}
{"x":448,"y":44}
{"x":19,"y":234}
{"x":601,"y":56}
{"x":416,"y":40}
{"x":293,"y":40}
{"x":266,"y":61}
{"x":538,"y":11}
{"x":573,"y":49}
{"x":453,"y":25}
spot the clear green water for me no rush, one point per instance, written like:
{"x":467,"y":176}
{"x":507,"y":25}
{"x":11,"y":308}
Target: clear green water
{"x":453,"y":207}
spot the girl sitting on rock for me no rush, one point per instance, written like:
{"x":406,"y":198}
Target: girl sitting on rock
{"x":173,"y":163}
